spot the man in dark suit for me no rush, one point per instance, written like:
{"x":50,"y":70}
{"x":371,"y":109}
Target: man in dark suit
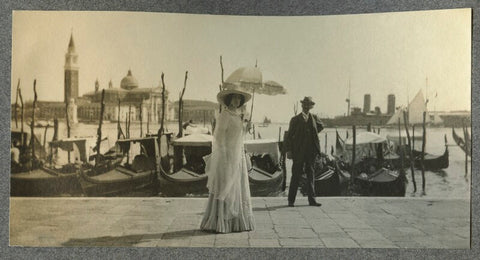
{"x":302,"y":145}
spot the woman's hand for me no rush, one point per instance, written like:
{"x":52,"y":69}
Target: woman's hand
{"x":248,"y":126}
{"x":289,"y":155}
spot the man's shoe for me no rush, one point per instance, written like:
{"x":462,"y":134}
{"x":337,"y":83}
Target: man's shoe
{"x":316,"y":204}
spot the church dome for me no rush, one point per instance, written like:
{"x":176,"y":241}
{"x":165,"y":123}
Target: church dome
{"x":129,"y":82}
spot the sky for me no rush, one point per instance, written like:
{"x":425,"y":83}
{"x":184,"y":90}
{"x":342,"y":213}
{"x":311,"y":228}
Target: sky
{"x":320,"y":56}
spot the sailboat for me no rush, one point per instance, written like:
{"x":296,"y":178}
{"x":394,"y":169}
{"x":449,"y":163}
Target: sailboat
{"x":415,"y":111}
{"x":266,"y":122}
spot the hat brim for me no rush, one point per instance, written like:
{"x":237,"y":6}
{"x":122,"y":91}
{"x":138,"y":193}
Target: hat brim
{"x":222,"y":94}
{"x":307,"y":102}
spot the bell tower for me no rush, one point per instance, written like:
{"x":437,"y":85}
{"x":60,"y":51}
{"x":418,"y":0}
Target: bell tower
{"x":71,"y":72}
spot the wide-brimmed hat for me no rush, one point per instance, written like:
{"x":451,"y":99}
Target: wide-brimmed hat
{"x":224,"y":93}
{"x":307,"y":101}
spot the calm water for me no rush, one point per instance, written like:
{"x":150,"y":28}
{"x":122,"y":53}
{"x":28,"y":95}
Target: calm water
{"x":448,"y":183}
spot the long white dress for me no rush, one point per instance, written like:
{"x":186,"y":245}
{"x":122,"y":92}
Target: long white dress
{"x":229,"y":207}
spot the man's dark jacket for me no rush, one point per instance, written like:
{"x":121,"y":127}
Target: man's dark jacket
{"x":303,"y":135}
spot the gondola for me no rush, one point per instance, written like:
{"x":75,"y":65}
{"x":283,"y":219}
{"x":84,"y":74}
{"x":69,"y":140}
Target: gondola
{"x":183,"y":173}
{"x":431,"y":162}
{"x":176,"y":178}
{"x":28,"y":177}
{"x":465,"y":146}
{"x":265,"y":173}
{"x":374,"y":175}
{"x":382,"y":181}
{"x":125,"y":178}
{"x":49,"y":179}
{"x":328,"y":178}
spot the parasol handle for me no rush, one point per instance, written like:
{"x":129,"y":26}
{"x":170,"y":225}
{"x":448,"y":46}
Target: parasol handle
{"x":251,"y":108}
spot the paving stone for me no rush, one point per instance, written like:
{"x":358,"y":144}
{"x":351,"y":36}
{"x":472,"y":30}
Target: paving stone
{"x":408,"y":244}
{"x":322,"y":228}
{"x":463,"y":232}
{"x":263,"y":235}
{"x":263,"y":242}
{"x":365,"y":235}
{"x":428,"y":242}
{"x":456,"y":243}
{"x":287,"y":232}
{"x":173,"y":243}
{"x":289,"y":242}
{"x":231,"y":242}
{"x":340,"y":234}
{"x":334,"y":242}
{"x":376,"y":244}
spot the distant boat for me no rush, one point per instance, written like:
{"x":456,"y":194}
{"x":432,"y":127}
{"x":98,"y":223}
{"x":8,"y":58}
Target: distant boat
{"x":415,"y":113}
{"x":266,"y":122}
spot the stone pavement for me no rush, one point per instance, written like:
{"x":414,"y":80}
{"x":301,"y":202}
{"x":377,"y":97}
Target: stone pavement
{"x":350,"y":222}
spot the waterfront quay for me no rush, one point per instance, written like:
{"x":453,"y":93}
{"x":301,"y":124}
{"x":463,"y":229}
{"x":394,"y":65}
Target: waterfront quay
{"x":341,"y":222}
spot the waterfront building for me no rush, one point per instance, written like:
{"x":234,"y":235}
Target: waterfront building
{"x":129,"y":98}
{"x":199,"y":111}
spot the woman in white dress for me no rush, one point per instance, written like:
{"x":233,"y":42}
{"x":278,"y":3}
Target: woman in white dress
{"x":229,"y":207}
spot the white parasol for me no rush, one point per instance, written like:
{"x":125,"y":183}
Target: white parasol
{"x":251,"y":80}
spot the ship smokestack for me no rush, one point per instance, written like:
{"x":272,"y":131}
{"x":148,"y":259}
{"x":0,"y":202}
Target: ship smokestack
{"x":391,"y":104}
{"x":366,"y":103}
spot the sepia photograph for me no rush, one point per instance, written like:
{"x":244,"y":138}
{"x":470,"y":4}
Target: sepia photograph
{"x":144,"y":129}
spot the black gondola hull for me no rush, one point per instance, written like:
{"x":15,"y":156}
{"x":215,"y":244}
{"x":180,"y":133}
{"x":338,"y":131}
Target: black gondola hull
{"x":40,"y":182}
{"x":95,"y":187}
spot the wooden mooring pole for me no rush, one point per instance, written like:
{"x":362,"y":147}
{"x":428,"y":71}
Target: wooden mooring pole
{"x":141,"y":123}
{"x":16,"y":104}
{"x":424,"y":140}
{"x":99,"y":130}
{"x":405,"y":121}
{"x":352,"y":166}
{"x":32,"y":127}
{"x":45,"y":137}
{"x":413,"y":137}
{"x":129,"y":119}
{"x":326,"y":146}
{"x":180,"y":106}
{"x":162,"y":119}
{"x":119,"y":126}
{"x":22,"y":117}
{"x":401,"y":149}
{"x":126,"y":125}
{"x":467,"y":145}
